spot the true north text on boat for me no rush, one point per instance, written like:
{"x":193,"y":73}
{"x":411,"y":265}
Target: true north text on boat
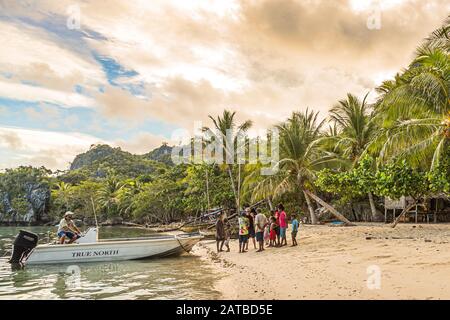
{"x":95,"y":253}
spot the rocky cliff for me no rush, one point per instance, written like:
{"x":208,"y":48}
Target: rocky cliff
{"x":37,"y":199}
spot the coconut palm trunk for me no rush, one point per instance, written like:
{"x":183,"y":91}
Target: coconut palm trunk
{"x":269,"y":200}
{"x":310,"y":208}
{"x":222,"y":125}
{"x":233,"y":186}
{"x":372,"y":206}
{"x":405,"y":210}
{"x":207,"y":190}
{"x":330,"y":208}
{"x":239,"y":188}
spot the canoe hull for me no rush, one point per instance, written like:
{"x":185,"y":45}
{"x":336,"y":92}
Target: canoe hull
{"x":112,"y":250}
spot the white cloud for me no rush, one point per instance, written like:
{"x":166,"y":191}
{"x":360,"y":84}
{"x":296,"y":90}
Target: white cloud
{"x":54,"y":150}
{"x":30,"y":55}
{"x":24,"y":92}
{"x":11,"y":140}
{"x":263,"y":59}
{"x":142,"y":143}
{"x":364,"y":5}
{"x":27,"y":47}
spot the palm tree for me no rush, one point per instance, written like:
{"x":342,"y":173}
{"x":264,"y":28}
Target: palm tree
{"x":62,"y":191}
{"x":356,"y":129}
{"x":301,"y":156}
{"x":256,"y":187}
{"x":125,"y":196}
{"x":355,"y":126}
{"x":226,"y":133}
{"x":412,"y":110}
{"x":440,"y":38}
{"x":108,"y":195}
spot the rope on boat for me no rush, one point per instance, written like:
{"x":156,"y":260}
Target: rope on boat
{"x":181,"y":245}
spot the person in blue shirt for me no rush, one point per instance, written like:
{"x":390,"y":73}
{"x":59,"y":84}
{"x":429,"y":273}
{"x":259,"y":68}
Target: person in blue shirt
{"x":294,"y":231}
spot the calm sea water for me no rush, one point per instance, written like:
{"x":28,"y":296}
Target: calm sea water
{"x":184,"y":277}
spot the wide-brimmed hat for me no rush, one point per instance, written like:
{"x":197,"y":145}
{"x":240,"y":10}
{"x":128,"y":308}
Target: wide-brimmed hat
{"x":68,"y":214}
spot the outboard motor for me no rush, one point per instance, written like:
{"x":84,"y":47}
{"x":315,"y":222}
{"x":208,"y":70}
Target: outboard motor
{"x":23,"y":244}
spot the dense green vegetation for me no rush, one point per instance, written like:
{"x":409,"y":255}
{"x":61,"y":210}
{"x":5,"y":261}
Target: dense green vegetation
{"x":116,"y":184}
{"x":102,"y":161}
{"x":399,"y":145}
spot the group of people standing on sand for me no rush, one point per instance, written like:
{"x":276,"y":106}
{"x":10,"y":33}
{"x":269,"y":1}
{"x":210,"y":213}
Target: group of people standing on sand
{"x":257,"y":227}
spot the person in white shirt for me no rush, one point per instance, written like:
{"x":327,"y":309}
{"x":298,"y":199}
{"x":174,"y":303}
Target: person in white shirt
{"x":260,"y":224}
{"x":67,"y":228}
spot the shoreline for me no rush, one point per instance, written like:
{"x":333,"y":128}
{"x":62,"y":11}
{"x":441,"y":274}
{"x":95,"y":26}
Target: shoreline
{"x":339,"y":263}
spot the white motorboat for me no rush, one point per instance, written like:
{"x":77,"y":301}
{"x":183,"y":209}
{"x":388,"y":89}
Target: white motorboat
{"x":90,"y":249}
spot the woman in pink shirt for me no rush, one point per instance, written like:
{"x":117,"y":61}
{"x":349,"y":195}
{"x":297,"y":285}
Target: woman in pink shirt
{"x":283,"y":225}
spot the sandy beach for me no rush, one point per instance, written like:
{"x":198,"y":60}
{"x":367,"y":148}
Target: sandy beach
{"x":340,"y":263}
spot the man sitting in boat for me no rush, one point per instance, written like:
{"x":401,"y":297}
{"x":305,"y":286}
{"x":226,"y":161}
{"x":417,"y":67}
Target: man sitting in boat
{"x":67,"y":228}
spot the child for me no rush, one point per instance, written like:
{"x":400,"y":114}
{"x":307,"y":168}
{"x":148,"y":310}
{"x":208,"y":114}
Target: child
{"x":273,"y":232}
{"x":294,"y":231}
{"x":267,"y":234}
{"x":243,"y":232}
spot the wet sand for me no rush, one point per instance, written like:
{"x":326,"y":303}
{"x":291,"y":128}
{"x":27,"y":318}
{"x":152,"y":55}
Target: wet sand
{"x":340,"y":263}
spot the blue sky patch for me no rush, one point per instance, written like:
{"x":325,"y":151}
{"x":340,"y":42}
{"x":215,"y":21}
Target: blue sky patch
{"x":34,"y":115}
{"x":113,"y":69}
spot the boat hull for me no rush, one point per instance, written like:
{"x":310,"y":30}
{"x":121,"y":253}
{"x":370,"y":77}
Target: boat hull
{"x":112,"y":250}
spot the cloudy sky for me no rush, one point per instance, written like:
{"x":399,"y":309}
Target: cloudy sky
{"x":129,"y":73}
